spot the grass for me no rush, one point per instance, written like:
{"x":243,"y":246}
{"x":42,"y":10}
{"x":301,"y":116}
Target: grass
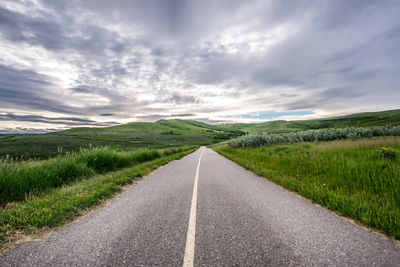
{"x":171,"y":133}
{"x":127,"y":137}
{"x":17,"y":180}
{"x":60,"y":205}
{"x":367,"y":119}
{"x":353,"y":178}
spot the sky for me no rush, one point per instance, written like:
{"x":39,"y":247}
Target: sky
{"x":77,"y":63}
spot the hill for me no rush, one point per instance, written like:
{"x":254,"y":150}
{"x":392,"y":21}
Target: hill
{"x":391,"y":117}
{"x":131,"y":136}
{"x":167,"y":133}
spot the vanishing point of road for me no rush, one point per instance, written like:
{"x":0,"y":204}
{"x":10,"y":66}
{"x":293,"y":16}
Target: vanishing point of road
{"x":204,"y":210}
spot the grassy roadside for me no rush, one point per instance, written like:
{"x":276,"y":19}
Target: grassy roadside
{"x":63,"y":204}
{"x":353,"y":178}
{"x":18,"y":179}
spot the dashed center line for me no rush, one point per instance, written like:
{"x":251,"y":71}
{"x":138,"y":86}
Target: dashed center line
{"x":188,"y":260}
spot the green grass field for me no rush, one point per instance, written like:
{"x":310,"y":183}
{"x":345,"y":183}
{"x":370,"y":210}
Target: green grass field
{"x":127,"y":137}
{"x":170,"y":133}
{"x":390,"y":117}
{"x":19,"y":179}
{"x":359,"y":179}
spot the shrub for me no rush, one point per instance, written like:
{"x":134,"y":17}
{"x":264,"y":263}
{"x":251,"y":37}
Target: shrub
{"x":262,"y":139}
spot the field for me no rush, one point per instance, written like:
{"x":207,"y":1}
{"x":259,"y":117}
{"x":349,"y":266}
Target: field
{"x":127,"y":137}
{"x":359,"y":179}
{"x":171,"y":133}
{"x":390,"y":117}
{"x":19,"y":179}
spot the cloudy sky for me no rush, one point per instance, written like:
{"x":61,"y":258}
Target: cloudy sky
{"x":95,"y":62}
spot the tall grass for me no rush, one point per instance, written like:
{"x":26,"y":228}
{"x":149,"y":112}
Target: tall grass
{"x":358,"y":181}
{"x":18,"y":180}
{"x":62,"y":204}
{"x":262,"y":139}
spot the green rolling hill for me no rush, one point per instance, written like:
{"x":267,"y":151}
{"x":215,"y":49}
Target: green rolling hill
{"x":131,"y":136}
{"x":171,"y":133}
{"x":354,"y":120}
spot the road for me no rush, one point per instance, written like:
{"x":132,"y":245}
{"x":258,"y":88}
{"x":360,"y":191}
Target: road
{"x":208,"y":212}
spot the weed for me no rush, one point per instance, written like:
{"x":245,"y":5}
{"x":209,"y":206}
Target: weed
{"x":387,"y":152}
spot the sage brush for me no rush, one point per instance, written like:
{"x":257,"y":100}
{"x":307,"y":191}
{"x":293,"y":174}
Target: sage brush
{"x":263,"y":139}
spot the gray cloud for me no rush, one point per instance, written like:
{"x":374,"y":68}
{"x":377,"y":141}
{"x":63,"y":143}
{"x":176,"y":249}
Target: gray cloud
{"x":70,"y":121}
{"x":28,"y":89}
{"x":123,"y":59}
{"x":181,"y":99}
{"x":35,"y":92}
{"x":156,"y":117}
{"x":153,"y":117}
{"x":182,"y":115}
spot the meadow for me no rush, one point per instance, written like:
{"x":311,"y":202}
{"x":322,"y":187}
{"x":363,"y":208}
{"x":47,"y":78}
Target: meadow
{"x":19,"y":179}
{"x":356,"y":178}
{"x":171,"y":133}
{"x":123,"y":138}
{"x":366,"y":119}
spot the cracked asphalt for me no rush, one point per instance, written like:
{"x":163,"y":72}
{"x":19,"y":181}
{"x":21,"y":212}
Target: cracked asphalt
{"x":242,"y":220}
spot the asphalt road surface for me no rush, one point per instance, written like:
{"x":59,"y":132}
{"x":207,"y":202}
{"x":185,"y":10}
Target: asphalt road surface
{"x":208,"y":212}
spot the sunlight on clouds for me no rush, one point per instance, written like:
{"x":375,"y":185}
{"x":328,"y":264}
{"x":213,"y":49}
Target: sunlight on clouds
{"x":243,"y":39}
{"x":18,"y":6}
{"x":40,"y":59}
{"x":19,"y":126}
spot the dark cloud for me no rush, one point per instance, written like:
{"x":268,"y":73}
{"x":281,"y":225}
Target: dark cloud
{"x":170,"y":19}
{"x":59,"y":33}
{"x":36,"y":92}
{"x":99,"y":91}
{"x":70,"y":121}
{"x":156,"y":117}
{"x":339,"y":92}
{"x":181,"y":99}
{"x":182,"y":115}
{"x":35,"y":31}
{"x":28,"y":89}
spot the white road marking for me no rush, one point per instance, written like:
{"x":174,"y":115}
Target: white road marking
{"x":188,"y":260}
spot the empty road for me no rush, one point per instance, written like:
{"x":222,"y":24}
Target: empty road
{"x":205,"y":210}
